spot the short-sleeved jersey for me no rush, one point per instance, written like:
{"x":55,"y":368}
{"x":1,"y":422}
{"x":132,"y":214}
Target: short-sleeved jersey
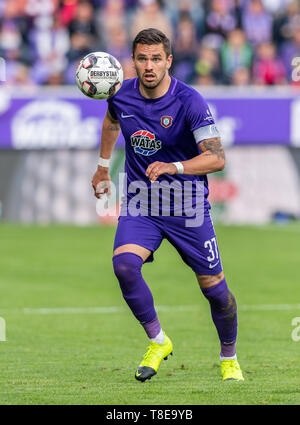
{"x":160,"y":129}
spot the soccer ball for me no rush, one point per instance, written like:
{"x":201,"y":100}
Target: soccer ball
{"x":99,"y":75}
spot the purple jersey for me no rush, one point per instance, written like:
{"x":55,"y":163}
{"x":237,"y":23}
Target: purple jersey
{"x":164,"y":129}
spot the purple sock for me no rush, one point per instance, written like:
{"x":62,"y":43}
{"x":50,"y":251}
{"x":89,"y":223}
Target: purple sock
{"x":224,"y":315}
{"x":152,"y":328}
{"x":127,"y":268}
{"x":227,"y":350}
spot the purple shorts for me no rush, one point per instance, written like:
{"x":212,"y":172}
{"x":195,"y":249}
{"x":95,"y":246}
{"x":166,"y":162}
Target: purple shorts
{"x":196,"y":245}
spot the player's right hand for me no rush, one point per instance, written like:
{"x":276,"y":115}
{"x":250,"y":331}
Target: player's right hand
{"x":101,"y":182}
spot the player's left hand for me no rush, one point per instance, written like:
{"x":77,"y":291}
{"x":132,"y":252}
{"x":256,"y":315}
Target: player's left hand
{"x":157,"y":168}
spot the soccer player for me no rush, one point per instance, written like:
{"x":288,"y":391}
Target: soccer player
{"x":170,"y":136}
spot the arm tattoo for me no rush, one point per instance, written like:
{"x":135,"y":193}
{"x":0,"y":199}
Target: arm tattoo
{"x":213,"y":147}
{"x":113,"y":124}
{"x":113,"y":127}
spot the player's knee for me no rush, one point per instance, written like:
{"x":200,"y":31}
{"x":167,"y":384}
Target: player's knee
{"x":220,"y":297}
{"x":230,"y":307}
{"x":227,"y":304}
{"x":127,"y":265}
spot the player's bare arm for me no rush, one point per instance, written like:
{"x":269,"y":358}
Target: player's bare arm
{"x":213,"y":147}
{"x":211,"y":159}
{"x":109,"y":136}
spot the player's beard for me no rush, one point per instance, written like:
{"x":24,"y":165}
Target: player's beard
{"x":153,"y":84}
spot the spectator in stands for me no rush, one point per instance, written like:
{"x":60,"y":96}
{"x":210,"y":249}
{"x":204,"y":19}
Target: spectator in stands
{"x":220,"y":20}
{"x":149,"y":14}
{"x":83,"y":21}
{"x":83,"y":38}
{"x":14,"y":28}
{"x":290,"y":50}
{"x":67,"y":11}
{"x":11,"y":44}
{"x":97,"y":4}
{"x":207,"y":66}
{"x":17,"y":73}
{"x":205,"y":80}
{"x":16,"y":52}
{"x":177,"y":8}
{"x":241,"y":77}
{"x":55,"y":78}
{"x":185,"y":50}
{"x":118,"y":44}
{"x":257,"y":22}
{"x":236,"y":52}
{"x":49,"y":41}
{"x":40,"y":9}
{"x":286,"y":21}
{"x":112,"y":18}
{"x":79,"y":48}
{"x":268,"y":68}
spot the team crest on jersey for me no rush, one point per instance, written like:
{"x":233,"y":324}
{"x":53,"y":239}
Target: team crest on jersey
{"x":166,"y":121}
{"x":144,"y":142}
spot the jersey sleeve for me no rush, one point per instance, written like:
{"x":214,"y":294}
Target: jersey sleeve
{"x":111,"y":109}
{"x":199,"y":118}
{"x":198,"y":113}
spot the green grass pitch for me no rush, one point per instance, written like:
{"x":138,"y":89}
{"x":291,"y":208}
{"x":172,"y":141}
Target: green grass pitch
{"x":59,"y":350}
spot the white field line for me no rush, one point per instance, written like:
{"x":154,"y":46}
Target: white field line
{"x":283,"y":228}
{"x":171,"y":309}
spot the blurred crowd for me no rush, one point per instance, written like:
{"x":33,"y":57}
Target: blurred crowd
{"x":215,"y":42}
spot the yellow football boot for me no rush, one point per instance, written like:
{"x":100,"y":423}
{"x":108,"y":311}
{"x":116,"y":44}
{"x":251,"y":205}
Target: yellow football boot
{"x":152,"y":359}
{"x":231,"y":370}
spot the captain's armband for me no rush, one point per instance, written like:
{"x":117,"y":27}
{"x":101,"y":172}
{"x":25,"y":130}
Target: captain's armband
{"x":206,"y":132}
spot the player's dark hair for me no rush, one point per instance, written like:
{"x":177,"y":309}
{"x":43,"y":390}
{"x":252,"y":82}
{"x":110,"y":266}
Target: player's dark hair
{"x":152,"y":36}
